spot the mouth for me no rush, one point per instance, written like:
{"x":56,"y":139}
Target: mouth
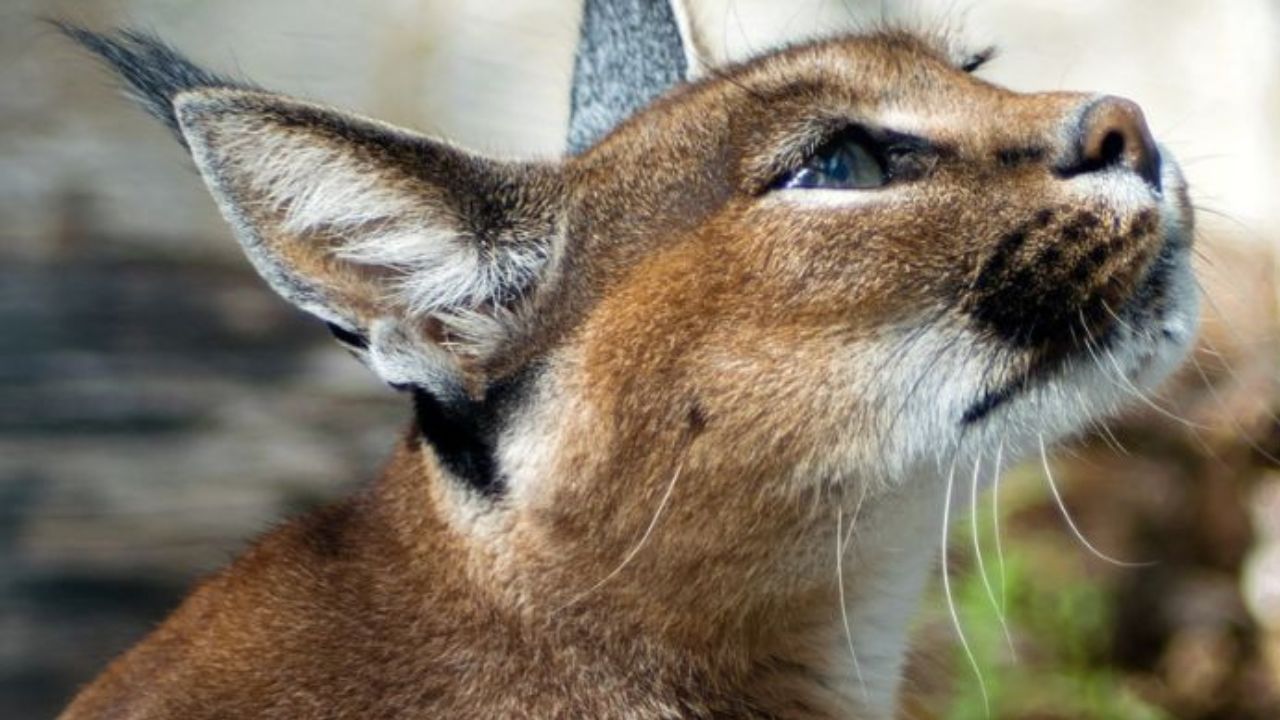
{"x":1151,"y":323}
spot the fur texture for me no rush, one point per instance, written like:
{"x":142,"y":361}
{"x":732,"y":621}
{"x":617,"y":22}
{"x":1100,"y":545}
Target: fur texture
{"x":154,"y":72}
{"x":662,"y":394}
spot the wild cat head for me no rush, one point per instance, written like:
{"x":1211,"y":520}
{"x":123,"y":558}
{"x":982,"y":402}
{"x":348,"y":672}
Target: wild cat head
{"x":841,"y":262}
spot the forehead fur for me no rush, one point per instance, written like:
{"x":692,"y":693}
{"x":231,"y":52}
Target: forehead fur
{"x":880,"y":65}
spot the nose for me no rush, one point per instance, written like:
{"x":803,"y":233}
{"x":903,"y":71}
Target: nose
{"x":1114,"y":133}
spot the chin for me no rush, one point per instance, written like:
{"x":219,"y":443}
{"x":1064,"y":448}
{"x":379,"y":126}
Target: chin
{"x":1146,"y":338}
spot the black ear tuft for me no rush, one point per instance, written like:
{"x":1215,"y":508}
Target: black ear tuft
{"x":155,"y":72}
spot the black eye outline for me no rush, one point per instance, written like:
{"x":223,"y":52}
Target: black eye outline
{"x":857,"y":157}
{"x":848,"y":161}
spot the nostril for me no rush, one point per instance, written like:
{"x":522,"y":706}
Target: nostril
{"x":1112,"y":150}
{"x":1113,"y":133}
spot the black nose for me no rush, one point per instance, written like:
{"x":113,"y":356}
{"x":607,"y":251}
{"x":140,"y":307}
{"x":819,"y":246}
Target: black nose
{"x":1114,"y":133}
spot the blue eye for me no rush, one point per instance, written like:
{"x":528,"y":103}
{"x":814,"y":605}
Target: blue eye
{"x":842,"y":164}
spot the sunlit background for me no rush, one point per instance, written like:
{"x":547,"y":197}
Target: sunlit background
{"x":158,"y":407}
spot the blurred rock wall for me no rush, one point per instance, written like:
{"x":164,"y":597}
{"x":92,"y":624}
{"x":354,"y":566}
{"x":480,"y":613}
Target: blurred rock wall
{"x":158,"y":406}
{"x":493,"y":75}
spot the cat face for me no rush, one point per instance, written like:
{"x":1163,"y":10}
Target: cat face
{"x":843,"y":264}
{"x":857,"y":256}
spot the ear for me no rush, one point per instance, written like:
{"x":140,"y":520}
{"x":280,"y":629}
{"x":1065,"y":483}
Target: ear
{"x":421,"y":257}
{"x":629,"y":53}
{"x":419,"y":254}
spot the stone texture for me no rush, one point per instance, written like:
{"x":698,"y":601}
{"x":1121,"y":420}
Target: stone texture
{"x":158,"y":407}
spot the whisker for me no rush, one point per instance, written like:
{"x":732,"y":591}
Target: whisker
{"x":1133,"y":390}
{"x":653,"y":523}
{"x":1230,"y":368}
{"x":1223,"y":318}
{"x":1071,"y":523}
{"x":1187,"y":161}
{"x":844,"y":609}
{"x":1197,"y":249}
{"x":1240,"y":224}
{"x":1140,"y":395}
{"x":853,"y":526}
{"x":1146,"y":398}
{"x":1239,"y":429}
{"x":998,"y":606}
{"x":951,"y":602}
{"x":1109,"y":436}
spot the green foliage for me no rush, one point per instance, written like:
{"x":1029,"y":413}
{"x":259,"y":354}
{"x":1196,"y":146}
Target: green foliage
{"x":1052,"y":664}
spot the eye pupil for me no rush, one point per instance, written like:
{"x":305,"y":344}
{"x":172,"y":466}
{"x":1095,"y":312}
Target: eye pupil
{"x":839,"y":166}
{"x":845,"y":163}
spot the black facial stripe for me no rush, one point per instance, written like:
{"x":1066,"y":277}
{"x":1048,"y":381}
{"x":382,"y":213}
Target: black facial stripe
{"x":1017,"y":156}
{"x":464,"y":432}
{"x":1146,"y":305}
{"x":1040,"y":280}
{"x":1000,"y":260}
{"x":1145,"y":224}
{"x":460,"y":433}
{"x":988,"y":403}
{"x":1079,"y":226}
{"x":1051,"y":255}
{"x":1039,"y":371}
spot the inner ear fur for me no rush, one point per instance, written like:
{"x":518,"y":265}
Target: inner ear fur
{"x":421,"y":252}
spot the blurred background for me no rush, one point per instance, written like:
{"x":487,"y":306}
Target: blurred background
{"x":158,"y":407}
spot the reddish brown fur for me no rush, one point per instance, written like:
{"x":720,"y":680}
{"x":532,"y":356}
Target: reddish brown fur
{"x":692,"y":345}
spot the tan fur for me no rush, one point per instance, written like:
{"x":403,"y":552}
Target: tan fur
{"x":711,"y":393}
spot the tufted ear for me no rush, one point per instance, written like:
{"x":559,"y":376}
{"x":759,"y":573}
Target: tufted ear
{"x":418,"y":255}
{"x":407,"y":246}
{"x":629,"y":53}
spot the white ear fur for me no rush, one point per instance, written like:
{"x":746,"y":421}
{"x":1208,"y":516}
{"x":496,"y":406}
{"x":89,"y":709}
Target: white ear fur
{"x":401,"y":356}
{"x":354,"y":235}
{"x":437,"y":264}
{"x":440,"y":268}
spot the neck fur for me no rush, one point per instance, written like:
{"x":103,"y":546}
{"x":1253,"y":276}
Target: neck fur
{"x":758,"y":608}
